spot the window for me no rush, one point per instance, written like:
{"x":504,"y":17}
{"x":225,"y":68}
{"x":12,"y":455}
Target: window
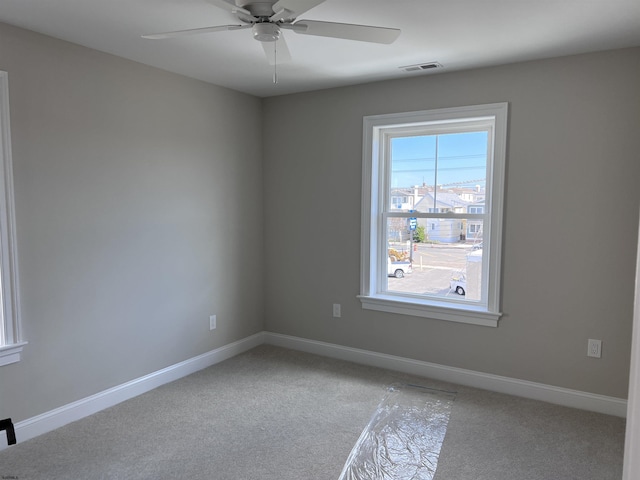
{"x":10,"y":340}
{"x":398,"y":200}
{"x":454,"y":161}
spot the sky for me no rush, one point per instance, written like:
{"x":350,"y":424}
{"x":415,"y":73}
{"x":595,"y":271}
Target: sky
{"x":461,"y":160}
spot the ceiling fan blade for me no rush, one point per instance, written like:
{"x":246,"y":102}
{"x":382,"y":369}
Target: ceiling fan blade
{"x":290,"y":9}
{"x":277,"y":52}
{"x":348,"y":31}
{"x":194,"y":31}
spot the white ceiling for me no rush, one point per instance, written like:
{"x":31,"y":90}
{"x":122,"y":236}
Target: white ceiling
{"x":459,"y":34}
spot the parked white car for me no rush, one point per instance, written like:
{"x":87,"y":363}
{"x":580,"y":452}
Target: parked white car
{"x":458,"y":283}
{"x":398,"y":269}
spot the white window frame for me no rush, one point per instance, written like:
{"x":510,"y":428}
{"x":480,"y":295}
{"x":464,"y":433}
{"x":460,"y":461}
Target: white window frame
{"x":377,"y":130}
{"x":11,"y":342}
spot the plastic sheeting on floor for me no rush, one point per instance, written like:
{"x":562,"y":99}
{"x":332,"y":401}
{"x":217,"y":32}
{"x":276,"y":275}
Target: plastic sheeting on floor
{"x":403,"y":438}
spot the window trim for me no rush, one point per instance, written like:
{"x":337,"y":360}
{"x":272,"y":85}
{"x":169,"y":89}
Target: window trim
{"x":11,"y":343}
{"x":373,"y":184}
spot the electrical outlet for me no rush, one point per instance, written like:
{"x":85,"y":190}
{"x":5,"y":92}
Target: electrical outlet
{"x":336,"y":310}
{"x":212,"y":322}
{"x":594,"y":348}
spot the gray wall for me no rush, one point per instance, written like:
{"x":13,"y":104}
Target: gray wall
{"x":138,"y":207}
{"x":571,"y":219}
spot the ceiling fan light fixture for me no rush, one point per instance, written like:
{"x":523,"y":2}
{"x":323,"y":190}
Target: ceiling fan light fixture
{"x":266,"y":32}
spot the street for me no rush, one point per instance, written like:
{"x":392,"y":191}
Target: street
{"x":433,"y":267}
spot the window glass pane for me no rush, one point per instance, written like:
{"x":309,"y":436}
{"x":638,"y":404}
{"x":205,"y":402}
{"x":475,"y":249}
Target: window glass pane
{"x":462,"y":159}
{"x":438,"y":258}
{"x":413,"y":160}
{"x":444,"y":173}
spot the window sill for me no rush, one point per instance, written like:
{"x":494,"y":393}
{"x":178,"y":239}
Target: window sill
{"x":11,"y":353}
{"x":462,"y":314}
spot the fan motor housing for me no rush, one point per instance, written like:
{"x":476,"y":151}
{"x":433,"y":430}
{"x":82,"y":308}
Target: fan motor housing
{"x":257,"y":8}
{"x":266,"y":32}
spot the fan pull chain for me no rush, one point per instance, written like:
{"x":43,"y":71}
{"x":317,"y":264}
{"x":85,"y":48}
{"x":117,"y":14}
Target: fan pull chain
{"x":275,"y":62}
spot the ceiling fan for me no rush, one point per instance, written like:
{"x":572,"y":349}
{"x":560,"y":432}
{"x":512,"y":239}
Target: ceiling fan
{"x":266,"y":18}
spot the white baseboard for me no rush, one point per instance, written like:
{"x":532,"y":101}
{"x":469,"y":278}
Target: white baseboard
{"x":460,"y":376}
{"x":71,"y":412}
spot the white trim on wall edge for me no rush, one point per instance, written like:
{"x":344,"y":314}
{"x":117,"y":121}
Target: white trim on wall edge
{"x":48,"y":421}
{"x":521,"y":388}
{"x":631,"y":466}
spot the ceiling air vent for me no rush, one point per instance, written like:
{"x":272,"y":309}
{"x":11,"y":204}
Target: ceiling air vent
{"x":420,"y":67}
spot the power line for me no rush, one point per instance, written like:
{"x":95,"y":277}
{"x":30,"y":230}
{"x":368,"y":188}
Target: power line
{"x":465,"y":182}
